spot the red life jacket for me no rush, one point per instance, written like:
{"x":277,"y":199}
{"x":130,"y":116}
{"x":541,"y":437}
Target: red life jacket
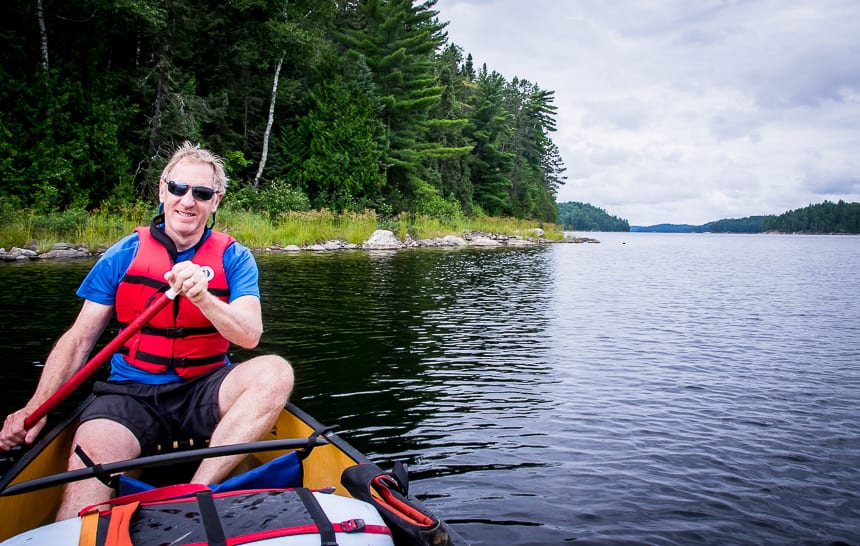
{"x":179,"y":337}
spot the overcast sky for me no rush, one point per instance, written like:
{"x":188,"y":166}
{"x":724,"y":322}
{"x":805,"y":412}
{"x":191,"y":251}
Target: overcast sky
{"x":686,"y":111}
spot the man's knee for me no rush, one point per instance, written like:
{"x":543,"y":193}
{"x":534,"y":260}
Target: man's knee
{"x":89,"y":438}
{"x":274,"y":373}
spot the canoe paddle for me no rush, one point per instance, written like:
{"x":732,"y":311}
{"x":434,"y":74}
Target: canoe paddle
{"x":87,"y":369}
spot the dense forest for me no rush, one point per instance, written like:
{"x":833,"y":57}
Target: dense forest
{"x":345,"y":105}
{"x":576,"y":216}
{"x":826,"y":217}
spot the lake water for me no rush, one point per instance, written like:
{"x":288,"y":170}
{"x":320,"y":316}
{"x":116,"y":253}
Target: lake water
{"x":649,"y":389}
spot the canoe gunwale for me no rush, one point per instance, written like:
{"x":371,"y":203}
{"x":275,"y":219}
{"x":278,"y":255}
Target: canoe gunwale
{"x":162,"y":459}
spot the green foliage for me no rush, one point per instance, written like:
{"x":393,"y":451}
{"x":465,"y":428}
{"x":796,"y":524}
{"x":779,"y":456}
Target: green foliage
{"x":276,"y":198}
{"x":750,"y":224}
{"x":341,"y":168}
{"x":431,"y":203}
{"x":397,"y":39}
{"x":489,"y":128}
{"x":235,"y":163}
{"x":576,"y":216}
{"x":826,"y":217}
{"x":373,"y":108}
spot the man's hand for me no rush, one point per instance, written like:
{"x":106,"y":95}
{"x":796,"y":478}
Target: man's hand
{"x":14,"y":433}
{"x":188,"y":279}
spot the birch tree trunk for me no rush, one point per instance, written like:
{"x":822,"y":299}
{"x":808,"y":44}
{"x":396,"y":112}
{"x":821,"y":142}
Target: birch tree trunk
{"x":43,"y":33}
{"x":269,"y":124}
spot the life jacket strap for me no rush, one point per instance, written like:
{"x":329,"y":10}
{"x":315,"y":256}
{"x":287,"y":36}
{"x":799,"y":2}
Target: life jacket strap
{"x":176,"y":333}
{"x":178,"y":362}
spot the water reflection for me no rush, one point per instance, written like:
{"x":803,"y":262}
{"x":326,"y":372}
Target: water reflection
{"x":398,"y":347}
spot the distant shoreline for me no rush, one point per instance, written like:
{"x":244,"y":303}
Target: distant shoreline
{"x":69,"y":251}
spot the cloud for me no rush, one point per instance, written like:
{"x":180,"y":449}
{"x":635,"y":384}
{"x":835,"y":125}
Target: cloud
{"x":686,"y":112}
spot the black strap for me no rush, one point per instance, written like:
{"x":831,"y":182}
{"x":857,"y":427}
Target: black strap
{"x":401,"y":472}
{"x":159,"y":235}
{"x":181,"y":362}
{"x":324,"y":526}
{"x":98,"y":470}
{"x":146,"y":281}
{"x":211,"y":521}
{"x":312,"y":441}
{"x":162,"y":286}
{"x":175,"y":333}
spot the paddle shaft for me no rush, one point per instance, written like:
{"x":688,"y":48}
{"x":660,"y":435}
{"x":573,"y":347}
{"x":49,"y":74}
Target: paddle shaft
{"x":87,"y":369}
{"x":162,"y":459}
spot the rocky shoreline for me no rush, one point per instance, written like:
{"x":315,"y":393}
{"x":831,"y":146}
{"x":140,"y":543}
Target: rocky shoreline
{"x":380,"y":240}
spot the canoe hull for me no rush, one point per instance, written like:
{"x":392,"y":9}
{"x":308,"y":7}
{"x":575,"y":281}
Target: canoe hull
{"x":49,"y":456}
{"x":29,"y":514}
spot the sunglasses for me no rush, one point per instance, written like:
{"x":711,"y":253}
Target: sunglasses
{"x":200,"y":193}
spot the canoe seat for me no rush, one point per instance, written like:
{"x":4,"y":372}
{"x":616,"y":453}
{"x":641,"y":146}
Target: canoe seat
{"x":280,"y":473}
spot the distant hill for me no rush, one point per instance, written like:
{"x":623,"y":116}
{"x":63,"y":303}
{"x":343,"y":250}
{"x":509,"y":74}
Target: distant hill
{"x":826,"y":217}
{"x":750,"y":224}
{"x":584,"y":217}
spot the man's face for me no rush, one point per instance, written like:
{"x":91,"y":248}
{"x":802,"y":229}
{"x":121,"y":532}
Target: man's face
{"x":185,"y":216}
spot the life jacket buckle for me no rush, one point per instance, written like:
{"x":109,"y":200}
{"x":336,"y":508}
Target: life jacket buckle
{"x":174,"y":333}
{"x":173,"y":362}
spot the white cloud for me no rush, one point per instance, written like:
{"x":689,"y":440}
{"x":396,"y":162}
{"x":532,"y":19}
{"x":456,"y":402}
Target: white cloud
{"x":686,"y":112}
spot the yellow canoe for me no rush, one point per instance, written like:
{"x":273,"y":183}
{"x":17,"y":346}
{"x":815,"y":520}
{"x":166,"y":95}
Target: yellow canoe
{"x":30,"y":490}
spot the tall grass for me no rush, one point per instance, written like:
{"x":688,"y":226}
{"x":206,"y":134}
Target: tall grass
{"x":515,"y":226}
{"x":95,"y":230}
{"x":98,"y":230}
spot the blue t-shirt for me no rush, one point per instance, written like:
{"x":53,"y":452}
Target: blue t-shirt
{"x":101,"y":283}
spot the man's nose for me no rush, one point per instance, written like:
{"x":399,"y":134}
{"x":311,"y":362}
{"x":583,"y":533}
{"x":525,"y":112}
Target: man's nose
{"x":188,"y":199}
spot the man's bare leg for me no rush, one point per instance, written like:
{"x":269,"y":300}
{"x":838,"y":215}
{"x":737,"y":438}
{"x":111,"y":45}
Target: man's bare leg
{"x":103,"y":441}
{"x":250,"y":399}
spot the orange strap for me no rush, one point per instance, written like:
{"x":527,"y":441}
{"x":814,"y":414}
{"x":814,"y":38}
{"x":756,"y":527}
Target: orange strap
{"x":120,"y":518}
{"x":89,"y":528}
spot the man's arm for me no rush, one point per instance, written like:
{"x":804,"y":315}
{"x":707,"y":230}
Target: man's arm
{"x":67,"y":356}
{"x":240,"y":321}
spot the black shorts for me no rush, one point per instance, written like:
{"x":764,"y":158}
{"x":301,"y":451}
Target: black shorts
{"x":160,"y":414}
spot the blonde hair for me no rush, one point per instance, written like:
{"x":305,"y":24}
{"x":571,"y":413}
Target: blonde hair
{"x":195,"y":153}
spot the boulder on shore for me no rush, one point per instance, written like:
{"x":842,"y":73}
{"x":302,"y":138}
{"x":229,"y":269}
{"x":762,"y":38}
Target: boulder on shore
{"x":382,"y":239}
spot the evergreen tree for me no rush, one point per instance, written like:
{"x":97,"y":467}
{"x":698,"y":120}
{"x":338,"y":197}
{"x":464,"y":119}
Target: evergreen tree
{"x":538,"y":170}
{"x":449,"y":160}
{"x":342,"y":167}
{"x":575,"y":216}
{"x":490,"y":127}
{"x":366,"y":102}
{"x":399,"y":41}
{"x":826,"y":217}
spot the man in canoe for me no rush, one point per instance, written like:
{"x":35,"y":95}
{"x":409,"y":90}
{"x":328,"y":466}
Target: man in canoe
{"x":172,"y":379}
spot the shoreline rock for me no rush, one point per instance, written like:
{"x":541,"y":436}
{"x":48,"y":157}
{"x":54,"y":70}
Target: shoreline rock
{"x":381,"y":240}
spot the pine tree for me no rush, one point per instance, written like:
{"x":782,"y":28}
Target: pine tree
{"x":490,"y":128}
{"x":399,"y":40}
